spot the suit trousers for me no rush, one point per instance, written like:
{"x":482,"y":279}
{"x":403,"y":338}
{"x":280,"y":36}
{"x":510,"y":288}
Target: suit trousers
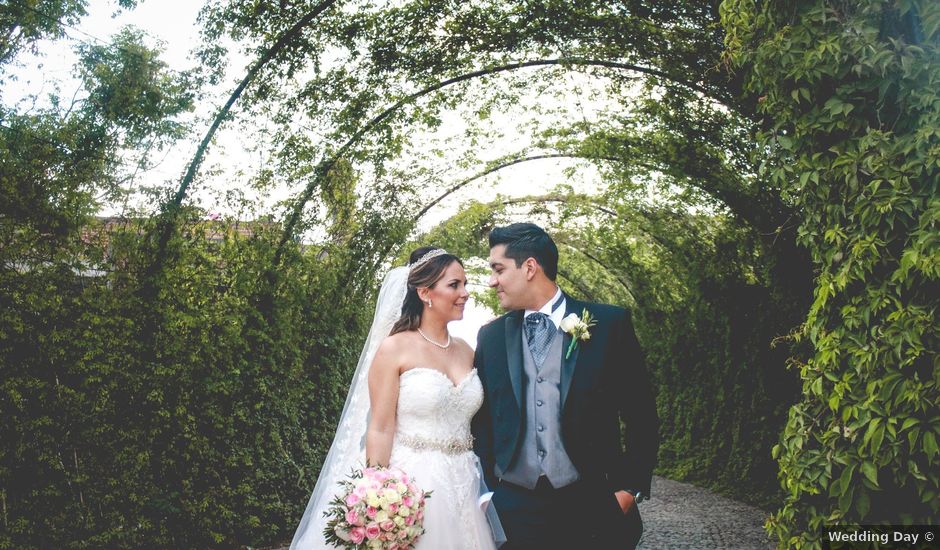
{"x":580,"y":515}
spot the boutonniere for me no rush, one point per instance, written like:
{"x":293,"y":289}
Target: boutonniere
{"x":578,"y":328}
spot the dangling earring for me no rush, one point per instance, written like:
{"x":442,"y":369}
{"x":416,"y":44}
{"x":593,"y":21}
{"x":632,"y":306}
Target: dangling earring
{"x":429,"y":304}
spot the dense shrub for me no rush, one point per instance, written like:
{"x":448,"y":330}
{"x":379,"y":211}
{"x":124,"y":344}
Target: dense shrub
{"x":209,"y":439}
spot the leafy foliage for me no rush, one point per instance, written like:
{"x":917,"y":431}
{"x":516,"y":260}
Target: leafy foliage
{"x":849,"y":96}
{"x":200,"y":445}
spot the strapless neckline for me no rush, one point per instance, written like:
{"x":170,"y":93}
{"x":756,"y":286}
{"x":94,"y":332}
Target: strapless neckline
{"x":453,"y":384}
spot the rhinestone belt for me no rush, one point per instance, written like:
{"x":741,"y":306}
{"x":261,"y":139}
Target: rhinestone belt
{"x":448,"y":446}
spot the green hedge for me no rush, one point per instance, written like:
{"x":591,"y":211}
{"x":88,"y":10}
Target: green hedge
{"x":208,"y":439}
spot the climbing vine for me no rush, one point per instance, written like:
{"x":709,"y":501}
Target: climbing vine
{"x":849,"y":96}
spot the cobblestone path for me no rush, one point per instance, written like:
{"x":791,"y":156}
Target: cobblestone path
{"x":683,"y":516}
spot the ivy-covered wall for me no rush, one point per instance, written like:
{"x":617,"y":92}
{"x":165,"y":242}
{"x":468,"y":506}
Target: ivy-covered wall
{"x":719,"y":362}
{"x":850,"y":95}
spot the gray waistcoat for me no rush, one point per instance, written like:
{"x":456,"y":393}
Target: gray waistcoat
{"x":542,"y":452}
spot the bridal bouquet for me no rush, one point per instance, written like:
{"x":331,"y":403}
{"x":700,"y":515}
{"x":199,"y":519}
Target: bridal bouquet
{"x":379,"y":508}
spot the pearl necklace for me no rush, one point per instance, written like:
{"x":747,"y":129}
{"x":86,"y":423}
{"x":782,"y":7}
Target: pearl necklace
{"x":442,"y":346}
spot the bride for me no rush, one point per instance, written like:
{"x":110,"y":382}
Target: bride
{"x":410,"y":403}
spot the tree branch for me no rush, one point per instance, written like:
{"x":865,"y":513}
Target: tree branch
{"x":603,"y":266}
{"x":325,"y":166}
{"x":170,"y":210}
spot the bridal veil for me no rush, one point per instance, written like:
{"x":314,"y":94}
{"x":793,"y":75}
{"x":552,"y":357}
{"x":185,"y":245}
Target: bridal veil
{"x":348,"y":449}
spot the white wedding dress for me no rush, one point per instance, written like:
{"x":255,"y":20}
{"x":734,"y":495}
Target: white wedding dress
{"x":434,"y":446}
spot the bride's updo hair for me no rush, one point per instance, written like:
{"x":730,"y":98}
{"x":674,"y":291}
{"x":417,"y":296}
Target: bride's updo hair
{"x":424,"y":274}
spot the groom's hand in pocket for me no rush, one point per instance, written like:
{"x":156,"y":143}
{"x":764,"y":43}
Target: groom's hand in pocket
{"x":626,"y":501}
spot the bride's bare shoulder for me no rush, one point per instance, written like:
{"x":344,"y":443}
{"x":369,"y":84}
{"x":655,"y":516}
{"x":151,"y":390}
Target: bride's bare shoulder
{"x":396,"y":345}
{"x":391,"y":356}
{"x":398,"y":340}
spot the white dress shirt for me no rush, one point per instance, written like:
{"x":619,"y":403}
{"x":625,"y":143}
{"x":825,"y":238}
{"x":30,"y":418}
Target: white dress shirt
{"x":555,"y":316}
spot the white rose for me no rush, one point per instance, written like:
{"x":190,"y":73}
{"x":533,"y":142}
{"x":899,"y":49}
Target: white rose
{"x":570,"y":322}
{"x":342,"y":533}
{"x":391,"y":495}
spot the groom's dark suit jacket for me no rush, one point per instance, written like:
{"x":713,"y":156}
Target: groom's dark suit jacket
{"x":603,"y":382}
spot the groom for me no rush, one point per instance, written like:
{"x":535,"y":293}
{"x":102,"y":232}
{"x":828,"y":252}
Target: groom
{"x":549,"y":431}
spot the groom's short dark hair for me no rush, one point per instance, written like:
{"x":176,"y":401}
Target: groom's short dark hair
{"x":527,"y":240}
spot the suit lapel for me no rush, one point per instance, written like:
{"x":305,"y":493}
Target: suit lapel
{"x":514,"y":353}
{"x":567,"y":365}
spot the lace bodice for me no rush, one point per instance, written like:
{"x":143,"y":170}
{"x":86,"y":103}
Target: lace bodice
{"x":432,"y":407}
{"x":433,"y":444}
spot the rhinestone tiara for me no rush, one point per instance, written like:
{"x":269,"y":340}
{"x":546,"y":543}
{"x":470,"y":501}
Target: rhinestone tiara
{"x":428,"y":256}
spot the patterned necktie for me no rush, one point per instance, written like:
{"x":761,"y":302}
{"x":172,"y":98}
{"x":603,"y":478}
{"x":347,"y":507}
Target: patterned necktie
{"x":538,"y":331}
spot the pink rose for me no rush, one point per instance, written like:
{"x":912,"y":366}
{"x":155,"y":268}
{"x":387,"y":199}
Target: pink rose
{"x":357,"y":535}
{"x":353,"y":518}
{"x":371,"y":511}
{"x":352,"y":499}
{"x":408,"y":501}
{"x":409,"y":521}
{"x":392,"y":508}
{"x":360,"y":491}
{"x":387,"y":525}
{"x":372,"y":531}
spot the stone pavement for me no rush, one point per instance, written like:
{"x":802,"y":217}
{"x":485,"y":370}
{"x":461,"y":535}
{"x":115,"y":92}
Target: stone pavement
{"x":682,"y":516}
